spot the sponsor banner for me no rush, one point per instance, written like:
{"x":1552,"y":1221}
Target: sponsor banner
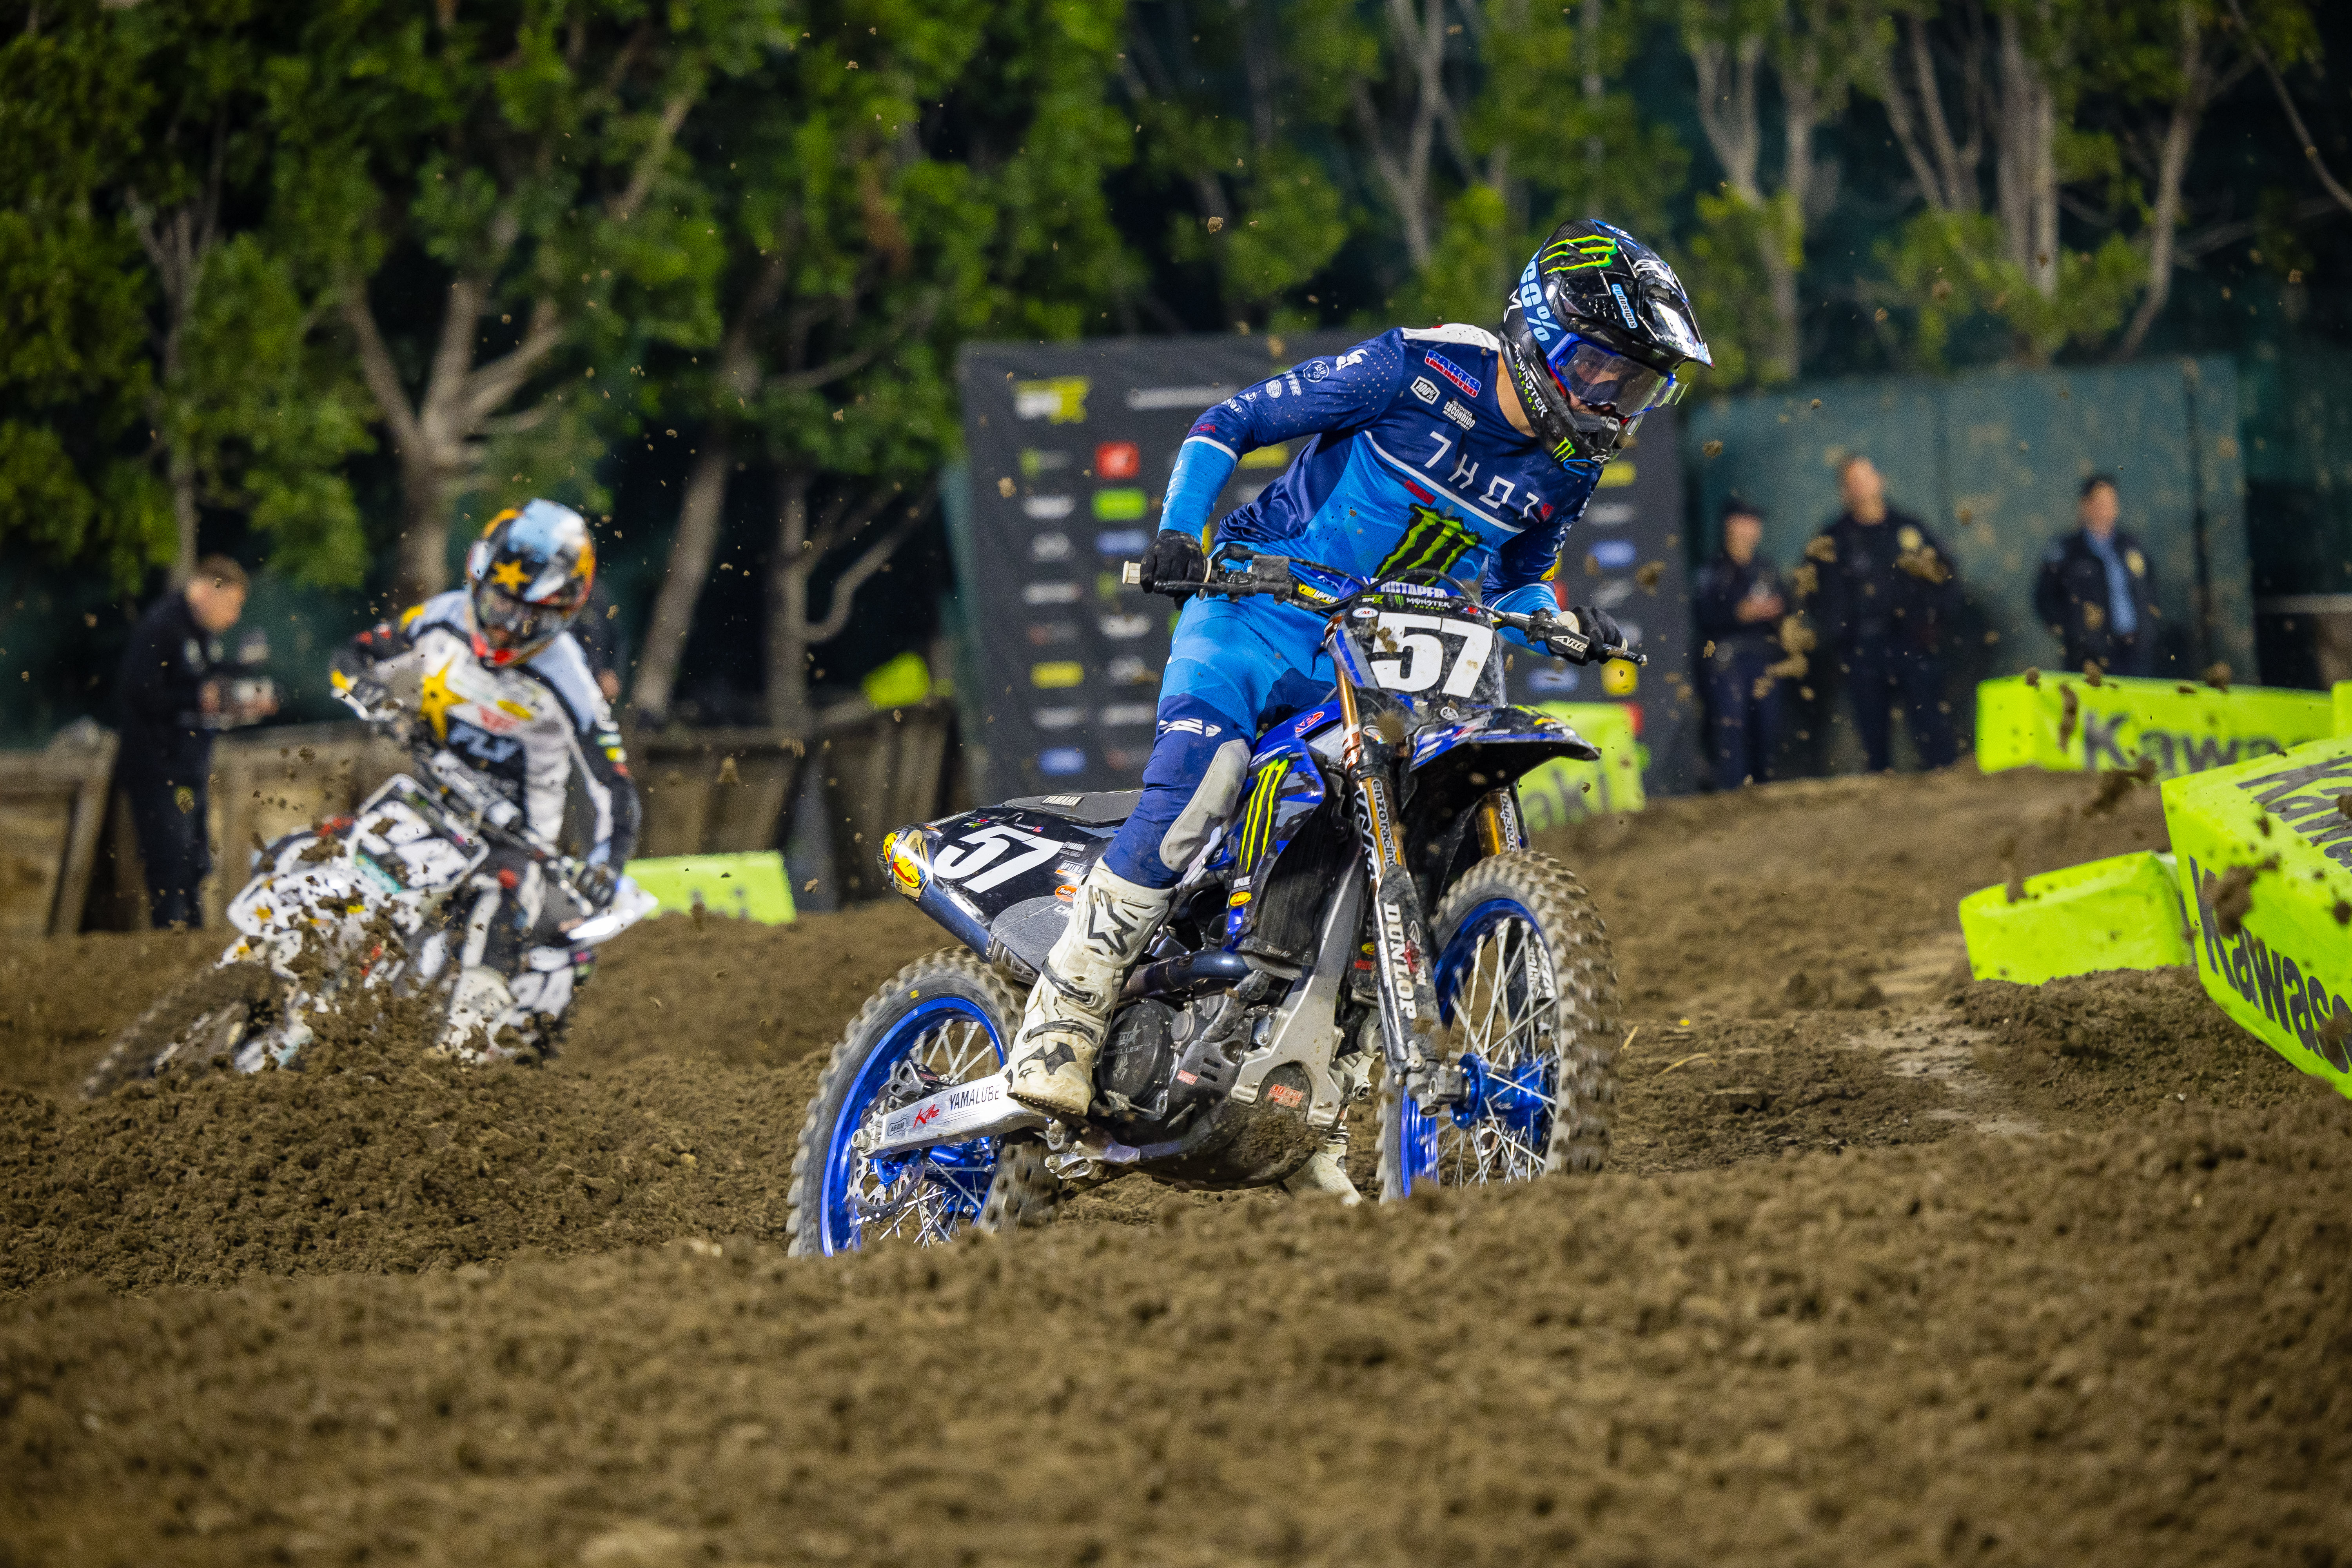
{"x":1565,"y":790}
{"x":2123,"y":912}
{"x":1071,"y":445}
{"x":746,"y":886}
{"x":2265,"y":855}
{"x":2062,"y":722}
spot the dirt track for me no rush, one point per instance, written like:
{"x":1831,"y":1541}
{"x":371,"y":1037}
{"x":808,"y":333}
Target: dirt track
{"x":1891,"y":1269}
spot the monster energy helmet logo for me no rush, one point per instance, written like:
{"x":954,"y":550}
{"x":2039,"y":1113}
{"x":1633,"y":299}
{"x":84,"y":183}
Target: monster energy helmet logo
{"x":1582,"y":252}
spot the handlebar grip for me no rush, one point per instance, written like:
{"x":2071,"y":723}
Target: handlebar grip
{"x":1130,"y":574}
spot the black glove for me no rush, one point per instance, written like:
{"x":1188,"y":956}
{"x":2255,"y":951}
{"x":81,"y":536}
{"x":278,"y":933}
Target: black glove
{"x":371,"y":694}
{"x":1595,"y":629}
{"x":1174,"y":557}
{"x":597,"y":884}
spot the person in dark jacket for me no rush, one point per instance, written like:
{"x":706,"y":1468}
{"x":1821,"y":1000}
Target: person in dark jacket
{"x":1887,"y":593}
{"x":2096,"y":593}
{"x":179,"y":685}
{"x":1738,"y":605}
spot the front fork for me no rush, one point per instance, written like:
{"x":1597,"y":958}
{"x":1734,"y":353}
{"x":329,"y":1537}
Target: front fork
{"x":1408,"y":997}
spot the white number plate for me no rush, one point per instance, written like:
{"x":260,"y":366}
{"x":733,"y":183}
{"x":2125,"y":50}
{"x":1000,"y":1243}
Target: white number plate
{"x":979,"y":861}
{"x":1412,"y":653}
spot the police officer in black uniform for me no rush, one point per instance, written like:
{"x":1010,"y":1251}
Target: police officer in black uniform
{"x":1739,"y":603}
{"x":2096,"y":593}
{"x":1886,"y":593}
{"x":179,"y":685}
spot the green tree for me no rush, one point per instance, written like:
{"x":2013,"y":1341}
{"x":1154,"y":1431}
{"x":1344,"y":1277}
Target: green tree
{"x":495,"y":187}
{"x":1754,"y":225}
{"x":905,"y":177}
{"x":161,"y":359}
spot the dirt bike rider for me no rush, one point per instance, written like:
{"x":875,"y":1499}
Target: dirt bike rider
{"x":1455,"y":450}
{"x":492,"y":669}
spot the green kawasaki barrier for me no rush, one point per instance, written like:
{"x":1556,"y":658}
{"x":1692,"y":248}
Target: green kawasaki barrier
{"x":2064,"y":723}
{"x":2121,"y":914}
{"x":747,"y":886}
{"x":1565,"y":790}
{"x":2264,"y":851}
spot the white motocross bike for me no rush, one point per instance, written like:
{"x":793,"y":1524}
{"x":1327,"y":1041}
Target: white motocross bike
{"x":388,"y":898}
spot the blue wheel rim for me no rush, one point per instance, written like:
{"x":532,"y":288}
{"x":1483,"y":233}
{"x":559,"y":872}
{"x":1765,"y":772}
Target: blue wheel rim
{"x":929,"y":1195}
{"x":1496,"y":984}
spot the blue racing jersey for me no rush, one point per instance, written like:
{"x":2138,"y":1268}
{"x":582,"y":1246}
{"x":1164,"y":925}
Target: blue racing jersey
{"x":1406,"y":461}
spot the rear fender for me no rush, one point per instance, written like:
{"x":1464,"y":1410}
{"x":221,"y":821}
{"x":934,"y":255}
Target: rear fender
{"x":999,"y":879}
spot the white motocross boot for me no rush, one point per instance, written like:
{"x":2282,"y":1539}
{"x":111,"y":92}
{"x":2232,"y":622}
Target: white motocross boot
{"x":1052,"y":1062}
{"x":476,"y":1004}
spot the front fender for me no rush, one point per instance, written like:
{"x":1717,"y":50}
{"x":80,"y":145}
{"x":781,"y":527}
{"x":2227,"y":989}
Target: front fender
{"x":1515,"y":740}
{"x":1455,"y":766}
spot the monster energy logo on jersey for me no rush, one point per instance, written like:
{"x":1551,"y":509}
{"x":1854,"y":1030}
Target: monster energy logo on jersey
{"x":1434,"y":543}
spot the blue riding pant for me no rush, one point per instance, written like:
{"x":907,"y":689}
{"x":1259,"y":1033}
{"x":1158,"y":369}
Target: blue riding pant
{"x":1233,"y":667}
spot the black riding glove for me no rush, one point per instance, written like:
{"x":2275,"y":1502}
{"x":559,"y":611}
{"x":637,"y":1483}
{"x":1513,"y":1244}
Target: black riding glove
{"x":1174,"y":557}
{"x":597,"y":884}
{"x":1594,"y":629}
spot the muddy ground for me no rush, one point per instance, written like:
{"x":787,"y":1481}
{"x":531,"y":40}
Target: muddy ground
{"x":1890,"y":1267}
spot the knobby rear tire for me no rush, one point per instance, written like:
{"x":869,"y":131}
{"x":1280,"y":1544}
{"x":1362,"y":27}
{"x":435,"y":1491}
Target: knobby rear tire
{"x":158,"y":1037}
{"x":1021,"y":1192}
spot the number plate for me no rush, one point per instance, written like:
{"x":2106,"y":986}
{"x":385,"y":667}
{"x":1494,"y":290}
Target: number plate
{"x":1420,"y":653}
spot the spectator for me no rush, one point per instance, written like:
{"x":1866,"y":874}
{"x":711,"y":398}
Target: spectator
{"x":1739,"y":607}
{"x":1887,"y":590}
{"x":2095,"y":593}
{"x":176,"y":687}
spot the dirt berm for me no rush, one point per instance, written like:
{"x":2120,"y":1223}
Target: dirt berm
{"x":1890,"y":1267}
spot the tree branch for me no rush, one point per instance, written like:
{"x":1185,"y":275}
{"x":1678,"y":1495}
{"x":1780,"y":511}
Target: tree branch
{"x":487,"y":388}
{"x":649,"y":161}
{"x":845,"y":588}
{"x":2302,"y":131}
{"x":376,"y":368}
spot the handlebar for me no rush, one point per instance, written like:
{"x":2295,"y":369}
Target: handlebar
{"x":1270,"y":575}
{"x":491,"y":813}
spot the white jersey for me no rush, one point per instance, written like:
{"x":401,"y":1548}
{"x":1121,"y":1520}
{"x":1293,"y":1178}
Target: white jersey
{"x":529,"y":728}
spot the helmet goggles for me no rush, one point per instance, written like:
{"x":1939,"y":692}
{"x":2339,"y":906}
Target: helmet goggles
{"x":509,"y":622}
{"x":1602,"y":379}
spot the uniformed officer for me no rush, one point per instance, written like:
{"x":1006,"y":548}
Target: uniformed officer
{"x":1738,"y":605}
{"x":2096,"y":593}
{"x":1887,"y":591}
{"x":177,"y":689}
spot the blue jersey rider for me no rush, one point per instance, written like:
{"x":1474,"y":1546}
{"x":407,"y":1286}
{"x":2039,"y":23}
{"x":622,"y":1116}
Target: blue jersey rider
{"x":1455,"y":449}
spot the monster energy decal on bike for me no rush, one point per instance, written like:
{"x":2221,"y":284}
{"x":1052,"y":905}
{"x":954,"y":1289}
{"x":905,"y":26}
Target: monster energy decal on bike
{"x":1432,"y":542}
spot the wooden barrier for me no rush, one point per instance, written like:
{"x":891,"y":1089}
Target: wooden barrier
{"x":705,"y":791}
{"x":52,"y":806}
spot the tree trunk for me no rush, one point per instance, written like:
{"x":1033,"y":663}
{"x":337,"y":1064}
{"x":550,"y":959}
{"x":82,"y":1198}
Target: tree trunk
{"x":183,"y":476}
{"x":690,"y":567}
{"x":2171,"y":166}
{"x":788,"y":619}
{"x":2027,"y":166}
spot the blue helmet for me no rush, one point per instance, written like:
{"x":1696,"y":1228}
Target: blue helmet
{"x":1593,"y":336}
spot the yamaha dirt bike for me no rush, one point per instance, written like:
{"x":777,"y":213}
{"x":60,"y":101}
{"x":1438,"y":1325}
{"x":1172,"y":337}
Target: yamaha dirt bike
{"x":1369,"y":909}
{"x":388,"y":897}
